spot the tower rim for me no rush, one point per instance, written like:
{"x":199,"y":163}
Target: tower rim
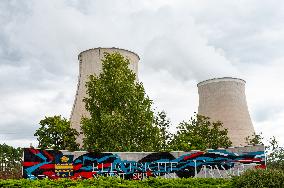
{"x":113,"y":48}
{"x":213,"y":80}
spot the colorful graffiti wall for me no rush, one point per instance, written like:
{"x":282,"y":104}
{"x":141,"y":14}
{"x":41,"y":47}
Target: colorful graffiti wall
{"x":220,"y":163}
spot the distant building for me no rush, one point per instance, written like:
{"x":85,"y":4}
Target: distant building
{"x":90,"y":64}
{"x":224,"y":99}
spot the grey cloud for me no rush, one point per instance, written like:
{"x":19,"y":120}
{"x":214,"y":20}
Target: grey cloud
{"x":245,"y":29}
{"x":11,"y":12}
{"x":267,"y":112}
{"x":17,"y":130}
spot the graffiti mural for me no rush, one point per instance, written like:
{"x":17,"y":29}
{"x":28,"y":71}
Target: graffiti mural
{"x":220,"y":163}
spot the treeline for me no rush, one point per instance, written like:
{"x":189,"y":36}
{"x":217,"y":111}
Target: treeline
{"x":10,"y":161}
{"x":197,"y":133}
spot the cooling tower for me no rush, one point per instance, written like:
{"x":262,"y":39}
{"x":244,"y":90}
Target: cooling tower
{"x":224,"y":99}
{"x":90,"y":63}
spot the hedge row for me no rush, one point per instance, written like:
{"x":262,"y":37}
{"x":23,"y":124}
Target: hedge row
{"x":251,"y":178}
{"x":116,"y":182}
{"x":260,"y":178}
{"x":16,"y":174}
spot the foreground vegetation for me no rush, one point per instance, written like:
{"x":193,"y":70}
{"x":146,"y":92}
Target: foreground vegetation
{"x":251,"y":178}
{"x":260,"y":178}
{"x":115,"y":182}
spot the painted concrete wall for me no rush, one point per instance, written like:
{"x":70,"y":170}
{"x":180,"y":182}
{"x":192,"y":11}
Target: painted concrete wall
{"x":90,"y":64}
{"x":224,"y":99}
{"x":219,"y":163}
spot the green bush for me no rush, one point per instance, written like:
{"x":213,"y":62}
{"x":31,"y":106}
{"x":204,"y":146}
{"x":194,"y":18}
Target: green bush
{"x":15,"y":174}
{"x":250,"y":178}
{"x":116,"y":182}
{"x":260,"y":178}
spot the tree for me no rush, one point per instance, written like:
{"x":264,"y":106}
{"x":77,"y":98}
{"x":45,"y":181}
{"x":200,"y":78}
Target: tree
{"x":10,"y":158}
{"x":55,"y":132}
{"x":121,"y":118}
{"x":200,"y":133}
{"x":254,"y":139}
{"x":275,"y":155}
{"x":163,"y":123}
{"x":274,"y":152}
{"x":10,"y":162}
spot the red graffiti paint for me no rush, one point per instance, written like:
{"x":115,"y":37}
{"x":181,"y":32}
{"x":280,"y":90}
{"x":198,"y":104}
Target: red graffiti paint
{"x":262,"y":166}
{"x":77,"y":167}
{"x":50,"y":174}
{"x":50,"y":157}
{"x":34,"y":151}
{"x":30,"y":163}
{"x":47,"y":166}
{"x":85,"y":175}
{"x":149,"y":173}
{"x":249,"y":160}
{"x":194,"y":155}
{"x":104,"y":165}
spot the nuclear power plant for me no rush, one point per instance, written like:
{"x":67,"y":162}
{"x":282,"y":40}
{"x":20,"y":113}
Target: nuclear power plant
{"x":220,"y":99}
{"x":90,"y":63}
{"x":224,"y":99}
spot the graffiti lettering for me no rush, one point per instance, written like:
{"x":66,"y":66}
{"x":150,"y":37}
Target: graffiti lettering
{"x":212,"y":163}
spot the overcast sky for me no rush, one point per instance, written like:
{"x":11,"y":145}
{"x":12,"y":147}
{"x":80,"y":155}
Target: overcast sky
{"x":180,"y":43}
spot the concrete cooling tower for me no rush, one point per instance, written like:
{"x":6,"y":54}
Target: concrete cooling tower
{"x":224,"y":99}
{"x":90,"y":63}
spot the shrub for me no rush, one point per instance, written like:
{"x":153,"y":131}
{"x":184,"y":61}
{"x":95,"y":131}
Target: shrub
{"x":250,"y":178}
{"x":15,"y":174}
{"x":116,"y":182}
{"x":260,"y":178}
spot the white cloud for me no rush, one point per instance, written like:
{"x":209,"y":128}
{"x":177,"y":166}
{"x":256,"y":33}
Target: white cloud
{"x":178,"y":99}
{"x":265,"y":95}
